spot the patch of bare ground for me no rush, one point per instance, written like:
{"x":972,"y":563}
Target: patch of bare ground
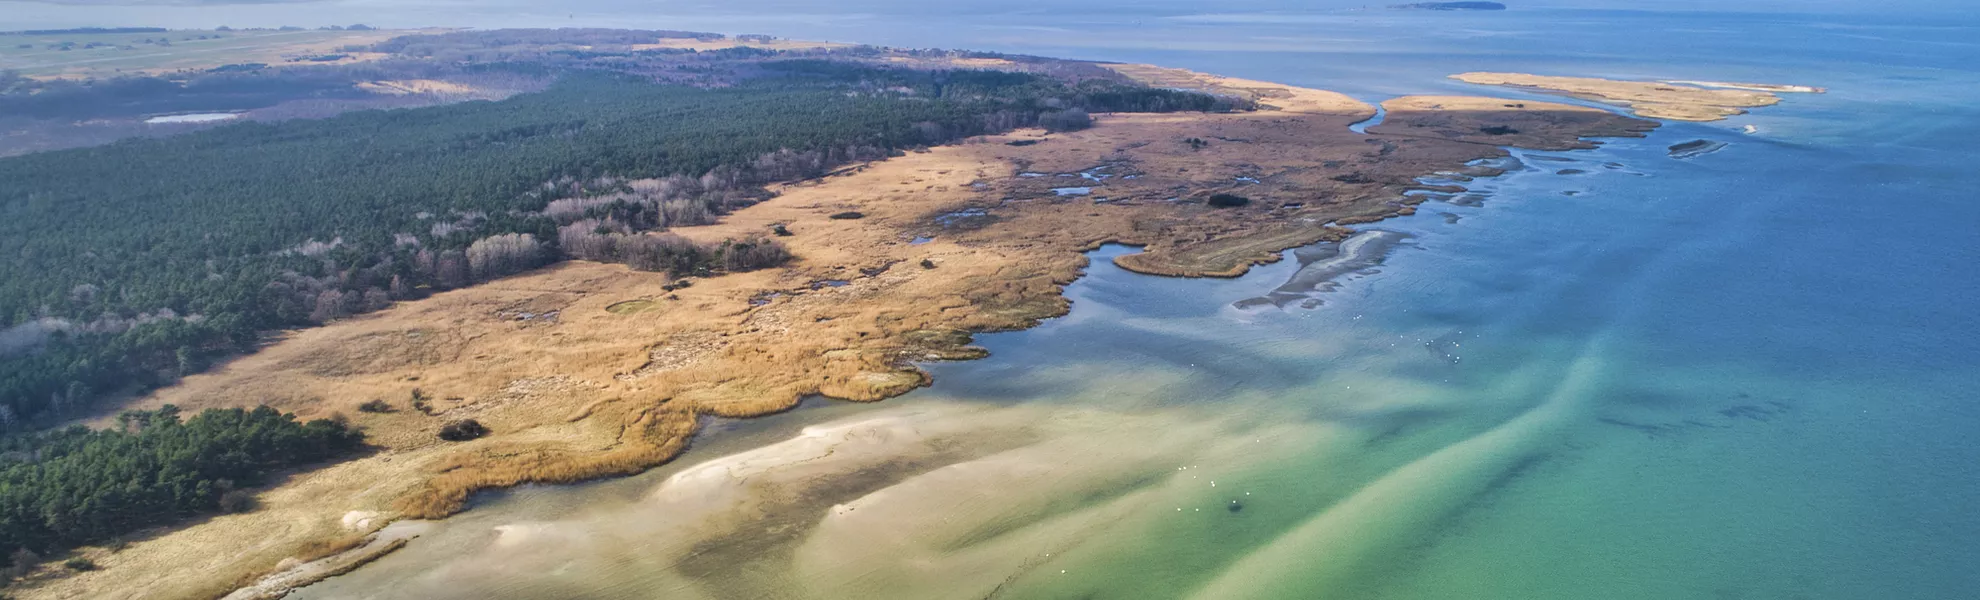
{"x":704,"y":45}
{"x":405,"y":87}
{"x":974,"y":237}
{"x":1674,"y":100}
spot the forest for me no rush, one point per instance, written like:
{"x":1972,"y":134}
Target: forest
{"x":76,"y":486}
{"x":134,"y":263}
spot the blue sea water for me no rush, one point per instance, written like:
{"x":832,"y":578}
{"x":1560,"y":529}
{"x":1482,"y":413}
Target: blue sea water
{"x":1748,"y":374}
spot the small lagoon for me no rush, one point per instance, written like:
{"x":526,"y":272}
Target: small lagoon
{"x":192,"y":118}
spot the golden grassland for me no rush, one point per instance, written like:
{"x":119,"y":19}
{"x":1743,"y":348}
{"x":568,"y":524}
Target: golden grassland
{"x":1674,"y":100}
{"x":586,"y":370}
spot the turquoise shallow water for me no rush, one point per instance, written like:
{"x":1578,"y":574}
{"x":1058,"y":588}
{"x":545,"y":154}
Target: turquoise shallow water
{"x":1747,"y":374}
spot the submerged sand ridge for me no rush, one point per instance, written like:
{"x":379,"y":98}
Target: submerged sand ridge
{"x":923,"y":500}
{"x":955,"y":240}
{"x":1112,"y":491}
{"x":1675,"y":100}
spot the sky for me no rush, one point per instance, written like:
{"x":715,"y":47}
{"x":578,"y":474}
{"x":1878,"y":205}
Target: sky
{"x":16,"y":13}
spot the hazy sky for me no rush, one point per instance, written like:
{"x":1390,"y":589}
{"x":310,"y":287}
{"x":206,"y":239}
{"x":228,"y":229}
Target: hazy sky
{"x":875,"y":21}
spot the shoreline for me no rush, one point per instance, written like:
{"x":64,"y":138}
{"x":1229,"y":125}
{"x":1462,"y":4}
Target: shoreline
{"x":601,"y":393}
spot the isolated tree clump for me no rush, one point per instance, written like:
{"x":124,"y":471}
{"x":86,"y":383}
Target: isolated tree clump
{"x":752,"y":254}
{"x":1228,"y":200}
{"x":462,"y":430}
{"x":665,"y":253}
{"x":1065,"y":120}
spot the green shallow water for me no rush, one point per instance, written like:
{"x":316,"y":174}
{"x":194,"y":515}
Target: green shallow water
{"x":1747,"y":374}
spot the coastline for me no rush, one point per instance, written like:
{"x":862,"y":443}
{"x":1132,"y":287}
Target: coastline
{"x":598,"y":393}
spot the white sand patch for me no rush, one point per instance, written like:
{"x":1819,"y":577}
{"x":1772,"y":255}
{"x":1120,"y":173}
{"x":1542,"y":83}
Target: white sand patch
{"x":360,"y":520}
{"x":1754,"y":87}
{"x":296,"y":574}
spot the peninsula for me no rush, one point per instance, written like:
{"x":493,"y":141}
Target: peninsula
{"x":601,"y":365}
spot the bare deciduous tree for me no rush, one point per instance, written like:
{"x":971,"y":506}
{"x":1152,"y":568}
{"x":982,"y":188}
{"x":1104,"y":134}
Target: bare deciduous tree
{"x":504,"y":254}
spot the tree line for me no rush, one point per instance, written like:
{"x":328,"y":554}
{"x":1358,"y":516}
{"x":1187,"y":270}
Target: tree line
{"x":76,"y":486}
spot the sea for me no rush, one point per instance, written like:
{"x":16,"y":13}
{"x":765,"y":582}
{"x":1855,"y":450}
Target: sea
{"x":1608,"y":374}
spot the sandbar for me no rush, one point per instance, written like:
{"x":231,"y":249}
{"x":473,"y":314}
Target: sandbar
{"x":1673,"y":100}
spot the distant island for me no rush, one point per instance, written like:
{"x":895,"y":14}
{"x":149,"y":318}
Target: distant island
{"x":1449,"y":6}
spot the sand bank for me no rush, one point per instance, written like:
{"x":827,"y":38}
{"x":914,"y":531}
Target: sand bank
{"x":924,"y":500}
{"x":1323,"y":266}
{"x":1674,"y":100}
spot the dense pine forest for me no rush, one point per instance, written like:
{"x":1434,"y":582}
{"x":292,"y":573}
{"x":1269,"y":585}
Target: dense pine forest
{"x":76,"y":486}
{"x":134,"y":263}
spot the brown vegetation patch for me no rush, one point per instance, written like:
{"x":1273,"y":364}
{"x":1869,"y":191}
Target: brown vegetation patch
{"x":379,"y":352}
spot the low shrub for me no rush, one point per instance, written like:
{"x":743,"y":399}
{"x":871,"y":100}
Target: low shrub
{"x":462,"y":430}
{"x":1065,"y":120}
{"x":237,"y":501}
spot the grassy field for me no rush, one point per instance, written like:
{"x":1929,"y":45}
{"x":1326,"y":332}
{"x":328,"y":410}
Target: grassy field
{"x":109,"y":54}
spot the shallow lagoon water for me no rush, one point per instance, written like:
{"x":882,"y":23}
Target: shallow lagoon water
{"x":1743,"y":375}
{"x":192,"y":118}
